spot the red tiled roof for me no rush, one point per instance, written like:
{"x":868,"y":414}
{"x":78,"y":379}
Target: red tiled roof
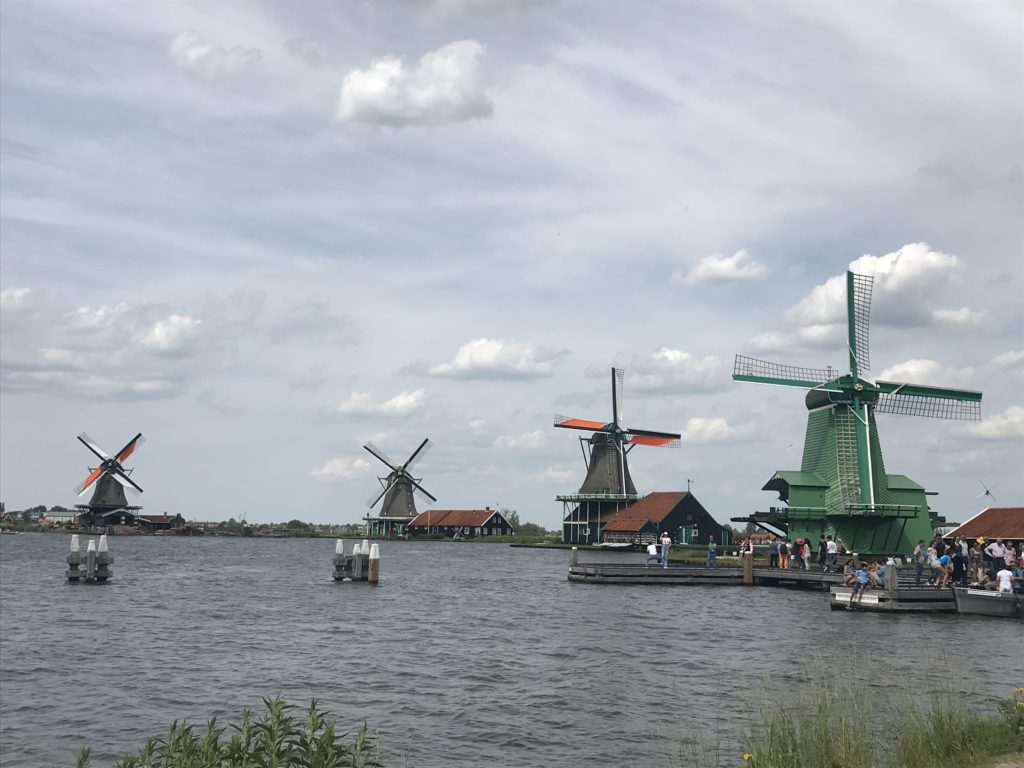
{"x":653,"y":507}
{"x":993,"y":522}
{"x":454,"y":517}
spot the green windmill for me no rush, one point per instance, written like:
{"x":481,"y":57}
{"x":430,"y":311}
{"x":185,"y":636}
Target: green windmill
{"x":842,"y":488}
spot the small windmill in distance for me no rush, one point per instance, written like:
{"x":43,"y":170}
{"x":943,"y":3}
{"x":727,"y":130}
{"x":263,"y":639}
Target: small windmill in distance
{"x":398,"y":489}
{"x":988,"y":491}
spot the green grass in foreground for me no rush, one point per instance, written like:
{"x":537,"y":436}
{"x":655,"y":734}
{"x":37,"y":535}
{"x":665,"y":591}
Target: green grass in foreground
{"x":276,"y":740}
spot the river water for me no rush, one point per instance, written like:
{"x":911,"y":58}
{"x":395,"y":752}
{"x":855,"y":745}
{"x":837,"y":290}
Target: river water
{"x":465,"y":654}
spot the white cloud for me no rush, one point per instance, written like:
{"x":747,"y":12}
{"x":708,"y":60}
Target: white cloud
{"x":191,"y":51}
{"x":674,"y":370}
{"x":497,"y":358}
{"x":926,"y":372}
{"x":1013,"y":357}
{"x":530,"y":440}
{"x":559,"y":473}
{"x":1001,"y":426}
{"x":12,"y":298}
{"x":103,"y":317}
{"x":363,"y":404}
{"x":445,"y":87}
{"x":963,"y":317}
{"x":700,"y":429}
{"x":723,"y":269}
{"x":173,"y":336}
{"x":341,"y":469}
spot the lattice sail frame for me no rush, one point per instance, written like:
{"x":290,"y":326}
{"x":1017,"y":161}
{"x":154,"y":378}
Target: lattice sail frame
{"x":752,"y":366}
{"x":931,"y":406}
{"x":862,"y":286}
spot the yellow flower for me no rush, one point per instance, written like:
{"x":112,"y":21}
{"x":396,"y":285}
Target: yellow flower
{"x":747,"y":756}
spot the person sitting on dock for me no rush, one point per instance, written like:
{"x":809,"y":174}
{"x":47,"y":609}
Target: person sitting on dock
{"x":859,"y":585}
{"x":849,"y":573}
{"x":712,"y":559}
{"x":876,"y":575}
{"x":653,"y":556}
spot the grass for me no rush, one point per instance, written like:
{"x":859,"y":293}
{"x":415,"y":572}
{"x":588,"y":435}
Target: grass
{"x":277,"y":739}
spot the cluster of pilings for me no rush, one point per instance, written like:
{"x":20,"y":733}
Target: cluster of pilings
{"x":94,"y":568}
{"x":363,"y":564}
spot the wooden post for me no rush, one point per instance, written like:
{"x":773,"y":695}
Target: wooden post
{"x":374,"y":575}
{"x":892,"y":582}
{"x":339,"y":560}
{"x":103,"y":561}
{"x":74,"y":560}
{"x":359,"y":553}
{"x":748,"y":568}
{"x":574,"y":558}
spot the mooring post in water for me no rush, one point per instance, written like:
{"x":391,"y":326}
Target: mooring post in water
{"x":103,"y":560}
{"x":574,"y":558}
{"x":90,"y":561}
{"x":374,"y":575}
{"x":74,"y":560}
{"x":359,"y":553}
{"x":892,"y":581}
{"x":339,"y":560}
{"x":747,"y":559}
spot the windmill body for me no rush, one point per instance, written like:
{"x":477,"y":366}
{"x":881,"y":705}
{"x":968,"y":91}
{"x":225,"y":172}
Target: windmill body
{"x":108,"y":504}
{"x":608,"y":486}
{"x":396,"y":495}
{"x":842,"y":488}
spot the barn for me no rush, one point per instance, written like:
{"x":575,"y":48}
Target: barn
{"x":677,"y":512}
{"x":467,"y":523}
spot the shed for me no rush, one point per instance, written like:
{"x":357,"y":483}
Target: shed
{"x":461,"y":522}
{"x":992,"y":523}
{"x":677,"y":512}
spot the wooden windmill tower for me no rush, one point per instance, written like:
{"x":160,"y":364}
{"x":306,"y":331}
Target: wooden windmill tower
{"x":398,"y":491}
{"x":607,"y":486}
{"x":842,"y":487}
{"x":108,"y":505}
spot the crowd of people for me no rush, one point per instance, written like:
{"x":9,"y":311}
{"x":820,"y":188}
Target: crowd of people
{"x":984,"y":563}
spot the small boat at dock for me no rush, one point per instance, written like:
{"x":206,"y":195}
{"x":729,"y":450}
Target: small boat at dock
{"x":985,"y":602}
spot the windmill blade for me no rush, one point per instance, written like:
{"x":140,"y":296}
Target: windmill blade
{"x":589,"y":426}
{"x":858,"y":299}
{"x":656,"y":439}
{"x":420,"y":491}
{"x":89,"y":443}
{"x":418,"y":454}
{"x":380,"y":455}
{"x":752,"y":369}
{"x":617,"y":377}
{"x":92,"y":478}
{"x":129,"y":449}
{"x":384,"y":488}
{"x":129,"y":484}
{"x":934,"y":402}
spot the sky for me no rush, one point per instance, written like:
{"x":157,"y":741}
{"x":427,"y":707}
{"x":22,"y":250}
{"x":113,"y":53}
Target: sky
{"x":265,"y":233}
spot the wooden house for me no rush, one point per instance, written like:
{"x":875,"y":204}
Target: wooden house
{"x":161,"y":522}
{"x":467,"y":523}
{"x":677,"y":512}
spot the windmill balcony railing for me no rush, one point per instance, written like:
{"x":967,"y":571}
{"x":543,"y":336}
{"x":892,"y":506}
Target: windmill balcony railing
{"x":879,"y":510}
{"x":596,"y":496}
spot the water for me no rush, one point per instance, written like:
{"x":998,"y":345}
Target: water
{"x":465,"y":654}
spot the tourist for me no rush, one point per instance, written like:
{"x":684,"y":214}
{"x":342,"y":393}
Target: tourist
{"x":806,"y":552}
{"x":995,"y":552}
{"x":859,"y":585}
{"x":959,"y":570}
{"x":822,"y":554}
{"x":830,"y":554}
{"x":875,"y":575}
{"x":939,"y":545}
{"x":653,"y":556}
{"x":1004,"y":580}
{"x":712,"y":559}
{"x":974,"y":560}
{"x":849,"y":573}
{"x":1018,"y":577}
{"x":940,"y":570}
{"x":783,"y":554}
{"x":666,"y":544}
{"x":773,"y":553}
{"x":920,"y":556}
{"x":1010,"y":555}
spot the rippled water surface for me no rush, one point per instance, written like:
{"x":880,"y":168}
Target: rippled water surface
{"x":465,"y":654}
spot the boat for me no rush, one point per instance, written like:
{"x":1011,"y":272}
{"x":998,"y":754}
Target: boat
{"x":985,"y":602}
{"x":616,"y":545}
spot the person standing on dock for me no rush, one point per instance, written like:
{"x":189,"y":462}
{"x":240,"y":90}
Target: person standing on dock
{"x":822,"y":554}
{"x":783,"y":555}
{"x":920,"y":557}
{"x":995,"y":553}
{"x":712,"y":560}
{"x":830,"y":554}
{"x":666,"y":544}
{"x":773,"y":553}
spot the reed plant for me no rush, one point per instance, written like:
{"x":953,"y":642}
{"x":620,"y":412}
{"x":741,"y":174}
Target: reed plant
{"x":276,"y":739}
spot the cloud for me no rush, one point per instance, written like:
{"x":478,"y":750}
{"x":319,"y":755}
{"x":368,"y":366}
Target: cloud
{"x":1011,"y":358}
{"x":363,"y":404}
{"x":668,"y":370}
{"x":445,"y":87}
{"x":960,"y":318}
{"x":926,"y":372}
{"x":315,"y":318}
{"x":341,"y":469}
{"x":559,"y":473}
{"x":498,"y":359}
{"x":174,"y":336}
{"x":1001,"y":426}
{"x":531,"y":440}
{"x":711,"y":430}
{"x":13,"y":298}
{"x":722,"y":269}
{"x":191,"y":51}
{"x":306,"y":50}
